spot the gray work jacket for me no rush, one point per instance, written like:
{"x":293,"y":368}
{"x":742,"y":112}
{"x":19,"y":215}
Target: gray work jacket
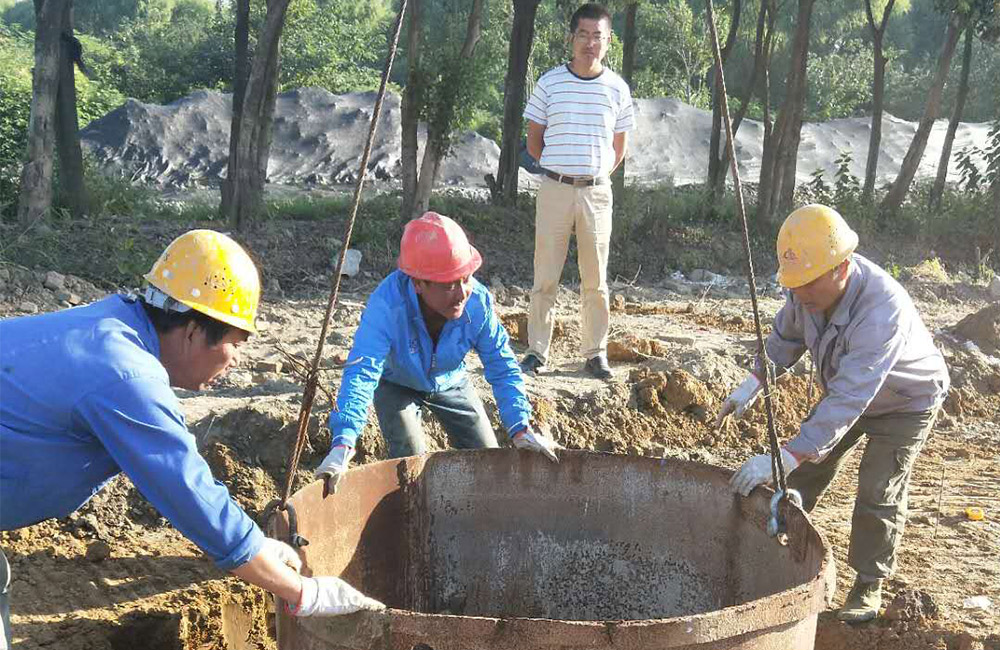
{"x":873,"y":357}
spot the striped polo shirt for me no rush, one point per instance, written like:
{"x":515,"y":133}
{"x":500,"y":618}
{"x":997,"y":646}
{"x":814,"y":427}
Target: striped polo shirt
{"x":580,"y":117}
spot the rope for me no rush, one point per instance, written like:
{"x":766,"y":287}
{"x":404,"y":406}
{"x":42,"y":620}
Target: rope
{"x":767,"y":377}
{"x":812,"y":380}
{"x":312,"y":379}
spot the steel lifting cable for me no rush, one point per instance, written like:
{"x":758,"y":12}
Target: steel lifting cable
{"x":312,"y":379}
{"x":763,"y":365}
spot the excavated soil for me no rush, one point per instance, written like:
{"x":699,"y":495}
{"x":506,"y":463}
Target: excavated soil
{"x":116,"y":575}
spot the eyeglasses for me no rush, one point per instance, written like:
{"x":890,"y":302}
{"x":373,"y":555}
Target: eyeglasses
{"x":585,"y":37}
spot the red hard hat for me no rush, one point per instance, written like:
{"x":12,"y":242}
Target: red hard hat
{"x":435,"y":248}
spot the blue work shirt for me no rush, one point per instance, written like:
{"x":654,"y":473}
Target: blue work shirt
{"x":392,"y":341}
{"x":83,"y":396}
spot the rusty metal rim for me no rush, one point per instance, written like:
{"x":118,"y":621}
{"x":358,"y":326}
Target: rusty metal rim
{"x":787,"y":607}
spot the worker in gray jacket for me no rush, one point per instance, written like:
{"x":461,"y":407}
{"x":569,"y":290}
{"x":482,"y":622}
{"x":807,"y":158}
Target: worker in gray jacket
{"x":881,"y":376}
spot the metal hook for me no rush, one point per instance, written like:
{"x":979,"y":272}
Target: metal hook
{"x":298,"y":541}
{"x":776,"y":523}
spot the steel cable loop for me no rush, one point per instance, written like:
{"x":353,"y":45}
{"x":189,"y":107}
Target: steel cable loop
{"x":767,"y":380}
{"x":309,"y":392}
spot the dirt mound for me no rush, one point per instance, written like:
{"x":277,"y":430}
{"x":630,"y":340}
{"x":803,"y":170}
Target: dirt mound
{"x":655,"y":412}
{"x":975,"y":382}
{"x":26,"y":291}
{"x":516,"y":324}
{"x":248,"y":448}
{"x":912,"y":605}
{"x":982,"y":328}
{"x":631,"y":349}
{"x":318,"y":139}
{"x":832,"y":634}
{"x":791,"y":403}
{"x":678,"y":390}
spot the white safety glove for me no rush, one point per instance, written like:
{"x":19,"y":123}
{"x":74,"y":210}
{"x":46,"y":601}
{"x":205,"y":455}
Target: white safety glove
{"x":741,"y":399}
{"x":537,"y":442}
{"x":330,"y":596}
{"x":282,"y":552}
{"x":757,"y":471}
{"x":334,"y":466}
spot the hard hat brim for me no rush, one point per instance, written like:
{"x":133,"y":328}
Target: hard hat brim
{"x":229,"y":319}
{"x":467,"y":269}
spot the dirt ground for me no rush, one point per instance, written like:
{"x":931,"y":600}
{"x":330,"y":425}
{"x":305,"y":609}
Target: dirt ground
{"x":116,"y":575}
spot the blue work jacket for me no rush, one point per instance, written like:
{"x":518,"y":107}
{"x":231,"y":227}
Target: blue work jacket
{"x":83,"y":396}
{"x":392,"y":341}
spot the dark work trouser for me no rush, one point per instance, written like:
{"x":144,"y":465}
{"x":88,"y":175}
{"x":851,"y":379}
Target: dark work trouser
{"x":894,"y":442}
{"x":459,"y":409}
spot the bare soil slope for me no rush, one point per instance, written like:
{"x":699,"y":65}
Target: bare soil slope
{"x":116,"y":575}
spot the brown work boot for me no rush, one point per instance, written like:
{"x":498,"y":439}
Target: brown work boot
{"x":862,"y":602}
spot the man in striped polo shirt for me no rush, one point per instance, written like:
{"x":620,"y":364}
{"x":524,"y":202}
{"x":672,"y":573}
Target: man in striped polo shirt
{"x":578,"y":117}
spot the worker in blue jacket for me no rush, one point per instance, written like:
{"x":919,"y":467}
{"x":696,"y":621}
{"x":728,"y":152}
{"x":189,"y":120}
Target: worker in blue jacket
{"x":409,"y":354}
{"x":85,"y":393}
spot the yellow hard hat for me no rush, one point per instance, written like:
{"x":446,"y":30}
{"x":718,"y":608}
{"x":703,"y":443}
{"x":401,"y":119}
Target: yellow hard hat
{"x":210,"y":273}
{"x":813,"y":240}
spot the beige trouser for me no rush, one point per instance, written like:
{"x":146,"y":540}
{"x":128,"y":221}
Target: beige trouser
{"x":559,"y":209}
{"x":894,"y":442}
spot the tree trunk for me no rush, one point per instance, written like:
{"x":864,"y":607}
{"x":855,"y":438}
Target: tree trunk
{"x":787,"y":156}
{"x":878,"y":98}
{"x":956,"y":116}
{"x":628,"y":70}
{"x":263,"y":153}
{"x":716,"y":171}
{"x":894,"y":199}
{"x":762,"y":39}
{"x":439,"y":129}
{"x":247,"y":173}
{"x":241,"y":70}
{"x":36,"y":176}
{"x":772,"y":137}
{"x":410,"y":111}
{"x":72,"y":191}
{"x":521,"y":37}
{"x":996,"y":211}
{"x":772,"y":12}
{"x":429,"y":166}
{"x":875,"y":138}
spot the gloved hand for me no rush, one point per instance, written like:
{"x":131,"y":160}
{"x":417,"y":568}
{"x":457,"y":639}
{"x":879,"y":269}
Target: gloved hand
{"x":741,"y":399}
{"x":282,"y":552}
{"x":537,"y":442}
{"x":333,"y":467}
{"x":757,"y":471}
{"x":330,"y":596}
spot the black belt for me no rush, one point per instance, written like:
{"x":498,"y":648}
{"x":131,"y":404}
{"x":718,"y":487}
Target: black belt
{"x":577,"y":181}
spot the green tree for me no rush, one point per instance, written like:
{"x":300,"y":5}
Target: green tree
{"x":338,"y":46}
{"x":961,"y":13}
{"x":673,"y":54}
{"x":15,"y":106}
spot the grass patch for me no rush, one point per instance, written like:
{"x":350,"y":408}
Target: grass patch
{"x":656,"y":230}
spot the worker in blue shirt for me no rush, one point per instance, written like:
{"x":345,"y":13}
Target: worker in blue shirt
{"x":409,"y":354}
{"x":85,"y":393}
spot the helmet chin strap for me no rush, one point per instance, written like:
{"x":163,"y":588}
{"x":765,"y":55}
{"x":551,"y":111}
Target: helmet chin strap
{"x":156,"y":298}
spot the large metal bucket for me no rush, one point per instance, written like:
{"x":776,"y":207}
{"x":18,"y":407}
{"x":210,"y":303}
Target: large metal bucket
{"x":501,"y":549}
